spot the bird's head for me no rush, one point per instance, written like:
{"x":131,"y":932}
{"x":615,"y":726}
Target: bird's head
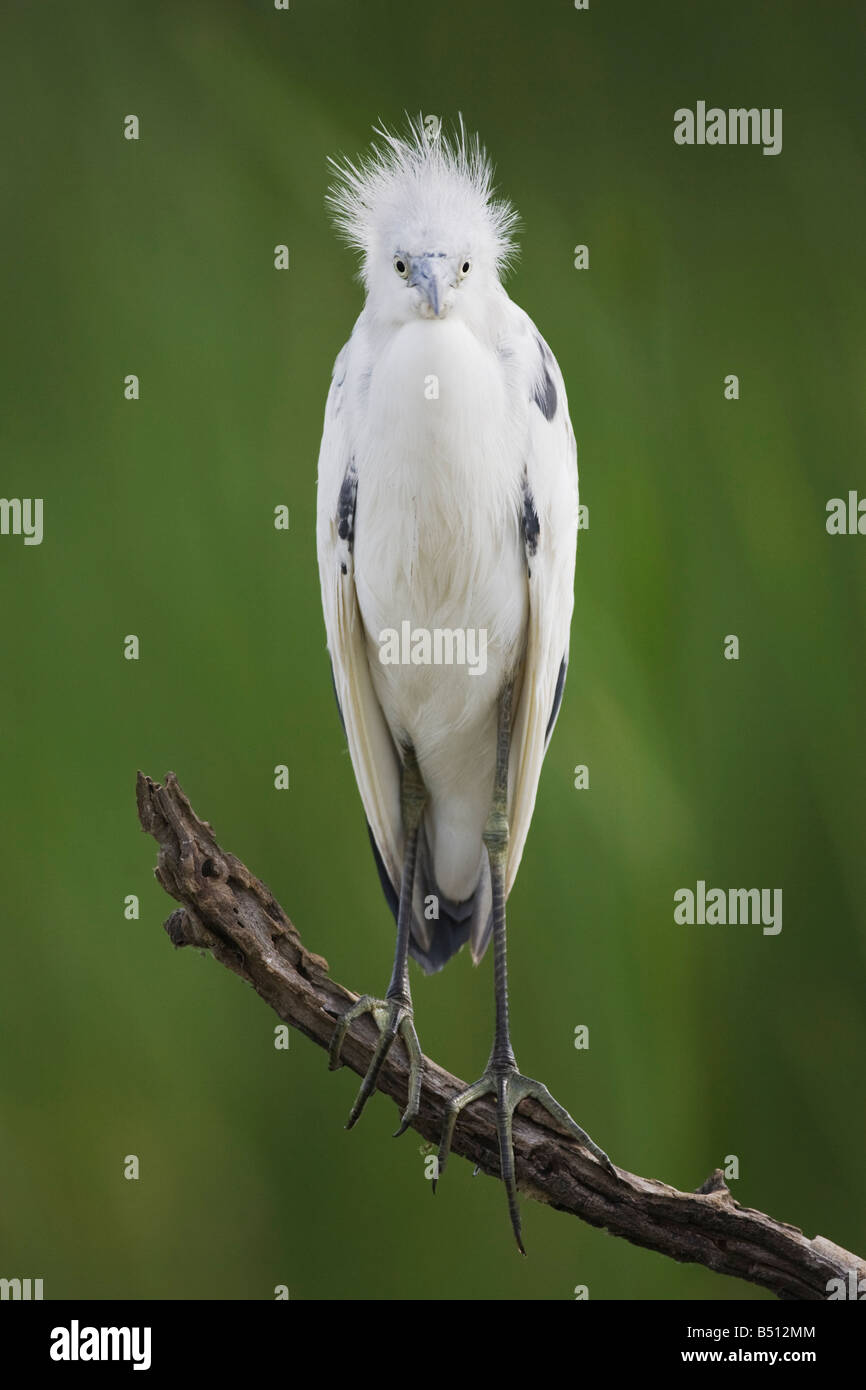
{"x":434,"y":240}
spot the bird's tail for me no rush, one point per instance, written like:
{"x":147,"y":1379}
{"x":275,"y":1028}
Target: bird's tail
{"x":440,"y":927}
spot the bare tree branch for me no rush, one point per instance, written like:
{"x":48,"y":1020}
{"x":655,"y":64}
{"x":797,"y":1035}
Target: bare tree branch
{"x":229,"y":912}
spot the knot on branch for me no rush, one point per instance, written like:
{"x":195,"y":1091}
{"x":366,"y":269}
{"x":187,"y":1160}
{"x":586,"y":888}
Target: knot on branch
{"x":715,"y":1186}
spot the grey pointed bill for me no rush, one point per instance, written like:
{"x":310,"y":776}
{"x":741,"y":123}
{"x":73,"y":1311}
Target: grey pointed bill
{"x":429,"y":275}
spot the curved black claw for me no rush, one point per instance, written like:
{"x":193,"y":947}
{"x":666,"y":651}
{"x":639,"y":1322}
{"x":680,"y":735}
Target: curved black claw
{"x":391,"y":1017}
{"x":510,"y":1087}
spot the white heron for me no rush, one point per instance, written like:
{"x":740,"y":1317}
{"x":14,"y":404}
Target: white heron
{"x":447,"y":504}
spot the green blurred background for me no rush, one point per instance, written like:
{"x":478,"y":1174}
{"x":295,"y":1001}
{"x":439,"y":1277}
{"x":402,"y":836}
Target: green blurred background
{"x":706,"y":518}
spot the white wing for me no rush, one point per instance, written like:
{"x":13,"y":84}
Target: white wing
{"x":550,"y":524}
{"x":374,"y":757}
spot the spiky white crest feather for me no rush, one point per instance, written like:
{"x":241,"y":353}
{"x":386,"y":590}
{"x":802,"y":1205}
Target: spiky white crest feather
{"x":420,"y":191}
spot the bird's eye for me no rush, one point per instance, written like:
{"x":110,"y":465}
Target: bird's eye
{"x":465,"y":268}
{"x":401,"y":267}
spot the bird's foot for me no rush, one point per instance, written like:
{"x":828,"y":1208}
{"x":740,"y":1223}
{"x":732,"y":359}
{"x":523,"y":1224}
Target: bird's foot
{"x":509,"y":1087}
{"x":392,"y":1016}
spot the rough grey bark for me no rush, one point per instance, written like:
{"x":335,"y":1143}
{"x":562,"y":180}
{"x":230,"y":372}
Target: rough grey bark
{"x":226,"y":910}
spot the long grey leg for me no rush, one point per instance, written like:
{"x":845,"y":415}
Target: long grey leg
{"x":393,"y":1014}
{"x":496,"y":842}
{"x":501,"y":1077}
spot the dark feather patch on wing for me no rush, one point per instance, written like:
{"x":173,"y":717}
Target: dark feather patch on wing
{"x":346,"y":506}
{"x":544,"y":394}
{"x":557,"y":698}
{"x":529,"y":521}
{"x":392,"y":897}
